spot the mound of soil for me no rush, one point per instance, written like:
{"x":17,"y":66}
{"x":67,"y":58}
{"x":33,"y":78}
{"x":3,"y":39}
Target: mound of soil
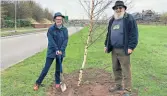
{"x":95,"y":82}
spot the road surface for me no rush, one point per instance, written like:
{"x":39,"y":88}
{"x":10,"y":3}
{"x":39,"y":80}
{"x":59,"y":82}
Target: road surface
{"x":17,"y":48}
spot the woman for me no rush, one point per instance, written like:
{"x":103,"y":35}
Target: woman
{"x":57,"y":41}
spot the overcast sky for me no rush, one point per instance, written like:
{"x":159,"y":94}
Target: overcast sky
{"x":74,"y":10}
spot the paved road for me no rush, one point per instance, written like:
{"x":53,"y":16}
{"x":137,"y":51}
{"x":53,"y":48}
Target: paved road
{"x":17,"y":48}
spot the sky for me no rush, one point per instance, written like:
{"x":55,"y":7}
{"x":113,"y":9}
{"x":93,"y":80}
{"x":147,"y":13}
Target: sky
{"x":74,"y":10}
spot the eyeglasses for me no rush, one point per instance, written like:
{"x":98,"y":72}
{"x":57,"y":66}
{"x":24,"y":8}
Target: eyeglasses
{"x":59,"y":19}
{"x":119,"y":7}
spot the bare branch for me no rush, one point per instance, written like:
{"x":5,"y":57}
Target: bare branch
{"x":100,"y":24}
{"x":88,"y":4}
{"x":129,"y":4}
{"x":84,"y":8}
{"x":98,"y":37}
{"x":97,"y":3}
{"x":103,"y":8}
{"x":101,"y":33}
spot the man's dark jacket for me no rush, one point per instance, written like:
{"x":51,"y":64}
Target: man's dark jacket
{"x":130,"y":34}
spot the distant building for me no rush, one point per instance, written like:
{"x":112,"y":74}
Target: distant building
{"x":146,"y":15}
{"x":137,"y":16}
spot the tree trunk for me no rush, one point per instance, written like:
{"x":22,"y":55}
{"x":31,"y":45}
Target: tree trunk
{"x":87,"y":43}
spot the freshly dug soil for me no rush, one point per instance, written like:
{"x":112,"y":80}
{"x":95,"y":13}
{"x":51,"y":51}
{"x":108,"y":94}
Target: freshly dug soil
{"x":95,"y":82}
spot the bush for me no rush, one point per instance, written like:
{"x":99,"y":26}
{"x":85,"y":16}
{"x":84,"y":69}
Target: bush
{"x":11,"y":23}
{"x":33,"y":21}
{"x":8,"y":23}
{"x":23,"y":23}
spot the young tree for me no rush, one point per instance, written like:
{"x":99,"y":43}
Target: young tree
{"x":94,"y":11}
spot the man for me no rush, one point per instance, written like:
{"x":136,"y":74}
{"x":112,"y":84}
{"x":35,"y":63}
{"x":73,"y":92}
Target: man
{"x":121,"y":39}
{"x":57,"y":41}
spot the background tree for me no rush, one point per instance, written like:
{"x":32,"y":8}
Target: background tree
{"x":163,"y":18}
{"x":25,"y":9}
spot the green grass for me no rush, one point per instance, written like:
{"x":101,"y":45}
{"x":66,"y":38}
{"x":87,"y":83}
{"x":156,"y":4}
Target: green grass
{"x":148,"y":64}
{"x":149,"y":61}
{"x":22,"y":30}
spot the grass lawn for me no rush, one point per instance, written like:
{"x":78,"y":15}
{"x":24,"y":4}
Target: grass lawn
{"x":148,"y":64}
{"x":22,"y":30}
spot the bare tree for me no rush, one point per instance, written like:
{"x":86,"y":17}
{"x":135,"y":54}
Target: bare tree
{"x":48,"y":14}
{"x":25,"y":9}
{"x":3,"y":11}
{"x":94,"y":12}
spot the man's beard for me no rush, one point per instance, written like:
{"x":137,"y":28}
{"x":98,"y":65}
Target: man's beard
{"x":119,"y":15}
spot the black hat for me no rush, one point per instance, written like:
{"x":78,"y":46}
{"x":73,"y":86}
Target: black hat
{"x":58,"y":14}
{"x":119,"y":3}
